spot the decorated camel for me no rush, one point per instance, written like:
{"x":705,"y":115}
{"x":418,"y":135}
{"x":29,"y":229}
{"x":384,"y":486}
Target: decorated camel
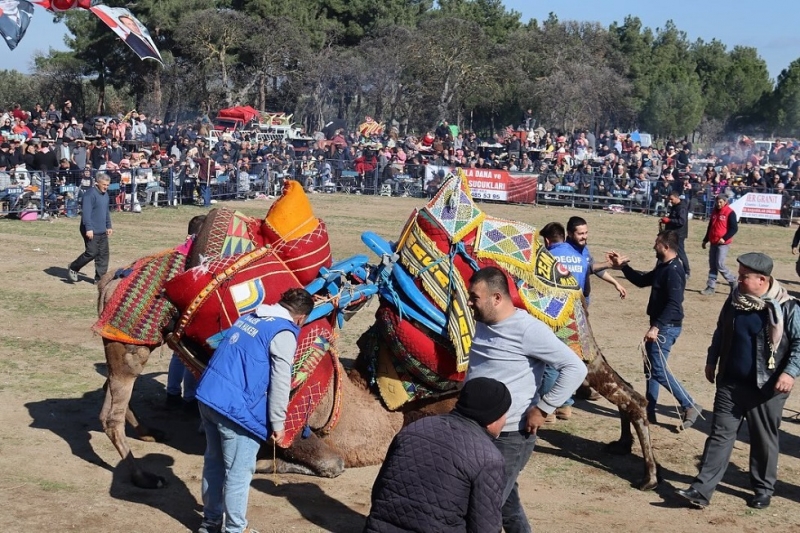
{"x":411,"y":359}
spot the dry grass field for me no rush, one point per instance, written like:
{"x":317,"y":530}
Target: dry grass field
{"x":57,"y":468}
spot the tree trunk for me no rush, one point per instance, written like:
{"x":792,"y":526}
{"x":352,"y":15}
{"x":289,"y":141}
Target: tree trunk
{"x":262,"y":93}
{"x":224,"y":71}
{"x":101,"y":89}
{"x":444,"y":99}
{"x":158,"y":95}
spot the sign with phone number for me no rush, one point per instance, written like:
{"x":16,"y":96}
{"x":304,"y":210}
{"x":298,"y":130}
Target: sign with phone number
{"x":502,"y":186}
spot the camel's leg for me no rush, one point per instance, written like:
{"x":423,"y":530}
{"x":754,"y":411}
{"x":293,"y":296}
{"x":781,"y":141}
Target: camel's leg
{"x":631,"y":404}
{"x":311,"y":456}
{"x":125,"y":363}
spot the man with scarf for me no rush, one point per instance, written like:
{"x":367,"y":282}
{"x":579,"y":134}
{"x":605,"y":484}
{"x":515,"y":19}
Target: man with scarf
{"x":755,"y":352}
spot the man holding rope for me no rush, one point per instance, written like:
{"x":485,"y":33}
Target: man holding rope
{"x":665,"y":309}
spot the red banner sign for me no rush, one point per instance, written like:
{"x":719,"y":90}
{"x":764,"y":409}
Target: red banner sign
{"x":502,"y":186}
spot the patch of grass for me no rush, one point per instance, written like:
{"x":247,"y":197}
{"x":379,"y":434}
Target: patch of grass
{"x":54,"y":486}
{"x":50,"y":368}
{"x":46,"y":304}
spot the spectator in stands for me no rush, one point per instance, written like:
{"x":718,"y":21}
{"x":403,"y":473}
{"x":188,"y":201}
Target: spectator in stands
{"x":45,"y":160}
{"x":51,"y":114}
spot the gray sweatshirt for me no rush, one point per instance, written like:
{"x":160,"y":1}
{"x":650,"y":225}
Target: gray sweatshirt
{"x":281,"y":350}
{"x":514,"y":352}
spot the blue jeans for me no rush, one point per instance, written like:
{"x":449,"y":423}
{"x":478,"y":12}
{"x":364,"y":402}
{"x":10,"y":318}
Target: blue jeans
{"x":659,"y":374}
{"x":178,"y":373}
{"x":549,"y":379}
{"x":516,"y":448}
{"x":228,"y":467}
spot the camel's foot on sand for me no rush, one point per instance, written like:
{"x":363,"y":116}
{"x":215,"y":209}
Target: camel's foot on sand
{"x":146,"y":480}
{"x":648,"y":483}
{"x":619,"y":447}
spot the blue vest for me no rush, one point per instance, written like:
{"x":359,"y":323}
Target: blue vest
{"x":236,"y":382}
{"x":576,"y":261}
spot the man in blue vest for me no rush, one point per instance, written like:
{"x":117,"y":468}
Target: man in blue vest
{"x":243,"y":396}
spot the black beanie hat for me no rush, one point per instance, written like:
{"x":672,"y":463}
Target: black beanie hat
{"x":484,"y":400}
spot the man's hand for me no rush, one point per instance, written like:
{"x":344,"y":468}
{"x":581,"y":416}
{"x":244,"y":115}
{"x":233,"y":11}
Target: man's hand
{"x":534,"y":419}
{"x":784,"y":383}
{"x":721,"y":241}
{"x":710,"y":373}
{"x":90,"y":235}
{"x":617,"y":260}
{"x":704,"y":244}
{"x":651,"y":335}
{"x":278,"y":436}
{"x":794,"y":250}
{"x":621,"y":290}
{"x":109,"y":231}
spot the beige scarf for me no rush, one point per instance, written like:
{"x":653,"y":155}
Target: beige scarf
{"x":771,"y":301}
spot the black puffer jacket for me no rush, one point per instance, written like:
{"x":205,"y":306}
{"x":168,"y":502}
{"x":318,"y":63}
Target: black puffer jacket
{"x":441,"y":474}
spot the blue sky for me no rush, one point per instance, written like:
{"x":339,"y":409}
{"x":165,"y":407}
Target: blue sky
{"x":773,"y":28}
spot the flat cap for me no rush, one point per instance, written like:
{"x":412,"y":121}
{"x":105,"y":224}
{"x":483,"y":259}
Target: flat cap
{"x":757,"y":262}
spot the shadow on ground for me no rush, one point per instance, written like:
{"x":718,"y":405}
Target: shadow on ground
{"x":314,"y":505}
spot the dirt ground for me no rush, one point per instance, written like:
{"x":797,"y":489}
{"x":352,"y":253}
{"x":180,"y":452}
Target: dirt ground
{"x":57,"y":468}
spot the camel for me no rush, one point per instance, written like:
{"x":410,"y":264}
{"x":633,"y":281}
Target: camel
{"x":365,"y":426}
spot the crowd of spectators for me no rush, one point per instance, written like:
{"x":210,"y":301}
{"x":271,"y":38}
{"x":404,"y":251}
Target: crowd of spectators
{"x":159,"y":160}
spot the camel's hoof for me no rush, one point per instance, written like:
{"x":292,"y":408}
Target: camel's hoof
{"x":152,"y":435}
{"x":649,"y":484}
{"x":619,"y":447}
{"x":146,"y":480}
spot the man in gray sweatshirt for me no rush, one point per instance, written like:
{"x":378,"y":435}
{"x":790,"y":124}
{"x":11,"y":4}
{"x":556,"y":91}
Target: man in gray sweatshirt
{"x":95,"y":230}
{"x":513,"y":347}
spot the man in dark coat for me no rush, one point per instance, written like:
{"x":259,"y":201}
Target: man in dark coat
{"x":443,"y":473}
{"x":678,"y":221}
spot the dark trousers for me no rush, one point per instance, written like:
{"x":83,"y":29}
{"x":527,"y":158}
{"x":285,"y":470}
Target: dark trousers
{"x":733,"y":403}
{"x":682,"y":254}
{"x":97,"y":251}
{"x":516,"y":448}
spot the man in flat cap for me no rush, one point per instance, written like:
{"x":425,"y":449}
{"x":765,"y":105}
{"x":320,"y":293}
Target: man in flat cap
{"x":443,"y":473}
{"x":755,"y":353}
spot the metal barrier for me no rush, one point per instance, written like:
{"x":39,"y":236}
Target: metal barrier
{"x":39,"y":195}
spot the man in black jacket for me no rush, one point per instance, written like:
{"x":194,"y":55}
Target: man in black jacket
{"x":678,"y":221}
{"x":443,"y":473}
{"x":665,"y":309}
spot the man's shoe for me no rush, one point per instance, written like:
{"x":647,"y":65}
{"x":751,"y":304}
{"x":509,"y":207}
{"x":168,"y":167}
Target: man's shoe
{"x":651,"y":418}
{"x":760,"y":501}
{"x":210,"y":528}
{"x":72,"y":275}
{"x":564,"y":412}
{"x":708,"y":291}
{"x":690,"y":416}
{"x":551,"y":418}
{"x":693,"y":497}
